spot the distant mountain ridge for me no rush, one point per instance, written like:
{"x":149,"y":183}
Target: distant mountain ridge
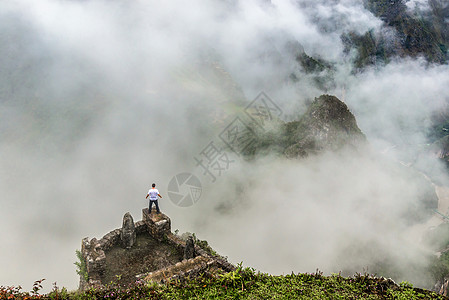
{"x":327,"y":125}
{"x":405,"y":32}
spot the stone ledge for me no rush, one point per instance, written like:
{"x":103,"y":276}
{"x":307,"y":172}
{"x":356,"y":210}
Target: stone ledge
{"x":141,"y":227}
{"x":158,"y":226}
{"x":184,"y":267}
{"x":110,"y":239}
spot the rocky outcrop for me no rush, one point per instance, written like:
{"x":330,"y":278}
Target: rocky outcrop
{"x":128,"y":233}
{"x":94,"y":257}
{"x":189,"y":251}
{"x":151,"y":248}
{"x":94,"y":254}
{"x":441,"y":287}
{"x":327,"y":125}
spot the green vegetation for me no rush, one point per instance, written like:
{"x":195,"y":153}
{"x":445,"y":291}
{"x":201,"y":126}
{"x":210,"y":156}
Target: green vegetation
{"x":416,"y":34}
{"x":313,"y":65}
{"x":245,"y":283}
{"x":81,"y":267}
{"x":321,"y":71}
{"x":371,"y":48}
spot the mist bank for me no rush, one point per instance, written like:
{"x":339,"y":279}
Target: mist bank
{"x":338,"y":211}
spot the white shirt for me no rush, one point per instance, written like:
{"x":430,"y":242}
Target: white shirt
{"x":153,"y":194}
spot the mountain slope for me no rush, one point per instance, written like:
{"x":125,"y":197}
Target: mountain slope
{"x":327,"y":125}
{"x":405,"y":33}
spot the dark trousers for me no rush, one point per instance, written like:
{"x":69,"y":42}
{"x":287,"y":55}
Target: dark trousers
{"x":151,"y":204}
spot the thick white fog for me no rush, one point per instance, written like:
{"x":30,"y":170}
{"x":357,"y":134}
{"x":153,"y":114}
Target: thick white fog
{"x":98,"y":99}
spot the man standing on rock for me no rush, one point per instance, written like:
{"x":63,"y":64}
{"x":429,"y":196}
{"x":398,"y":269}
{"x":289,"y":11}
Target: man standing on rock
{"x":153,"y":193}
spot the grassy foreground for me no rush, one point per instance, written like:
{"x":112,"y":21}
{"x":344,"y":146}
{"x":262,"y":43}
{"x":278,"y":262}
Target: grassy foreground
{"x":244,"y":283}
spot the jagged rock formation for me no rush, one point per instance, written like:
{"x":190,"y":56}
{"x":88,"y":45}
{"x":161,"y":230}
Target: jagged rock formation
{"x":441,"y":287}
{"x":155,"y":253}
{"x":327,"y":125}
{"x":189,"y":251}
{"x":128,"y":234}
